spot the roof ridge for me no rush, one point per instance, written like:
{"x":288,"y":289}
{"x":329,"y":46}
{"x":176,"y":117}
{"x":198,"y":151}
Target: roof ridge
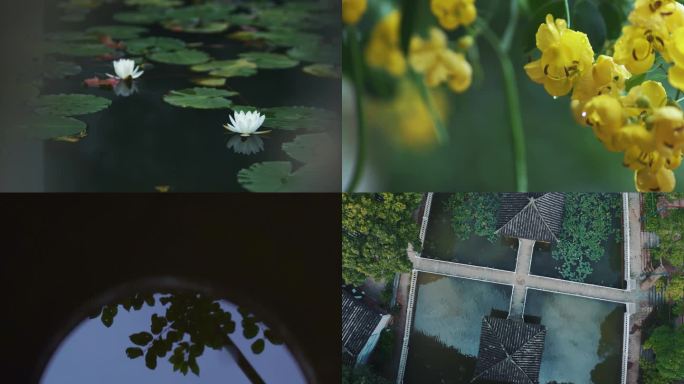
{"x":542,"y":216}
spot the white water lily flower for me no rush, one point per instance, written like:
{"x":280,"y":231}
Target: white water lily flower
{"x":246,"y":123}
{"x":126,"y":69}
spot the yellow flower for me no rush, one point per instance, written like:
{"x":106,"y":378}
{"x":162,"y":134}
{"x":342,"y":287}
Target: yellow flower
{"x":660,"y":180}
{"x":636,"y":48}
{"x":352,"y":10}
{"x":452,"y":13}
{"x":643,"y":99}
{"x":675,"y":48}
{"x":605,"y":78}
{"x":566,"y":56}
{"x":383,"y":50}
{"x":658,"y":14}
{"x":604,"y":115}
{"x":438,"y":64}
{"x":667,"y":123}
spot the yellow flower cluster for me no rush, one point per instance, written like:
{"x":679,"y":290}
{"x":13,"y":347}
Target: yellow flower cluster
{"x":352,"y":10}
{"x":430,"y":57}
{"x":641,"y":124}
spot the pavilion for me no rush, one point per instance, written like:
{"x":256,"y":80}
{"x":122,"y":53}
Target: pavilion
{"x":532,"y":216}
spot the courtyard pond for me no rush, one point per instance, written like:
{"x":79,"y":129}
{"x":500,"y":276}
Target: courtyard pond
{"x":607,"y":271}
{"x":445,"y":333}
{"x":172,"y":337}
{"x":165,"y":123}
{"x":583,"y":338}
{"x":442,"y":243}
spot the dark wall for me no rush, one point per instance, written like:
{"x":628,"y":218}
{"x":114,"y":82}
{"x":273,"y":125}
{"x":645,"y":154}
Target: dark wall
{"x":59,"y":253}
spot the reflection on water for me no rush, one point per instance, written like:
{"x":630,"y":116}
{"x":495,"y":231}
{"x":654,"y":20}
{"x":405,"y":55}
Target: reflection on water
{"x":178,"y":337}
{"x":245,"y":145}
{"x":441,"y":242}
{"x":446,"y":327}
{"x":583,"y":338}
{"x":125,"y":88}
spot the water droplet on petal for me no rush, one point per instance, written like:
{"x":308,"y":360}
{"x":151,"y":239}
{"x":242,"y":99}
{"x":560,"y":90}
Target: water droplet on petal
{"x":584,"y":114}
{"x":555,"y":97}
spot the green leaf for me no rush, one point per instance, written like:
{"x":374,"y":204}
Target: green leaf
{"x":141,"y":338}
{"x":147,"y":45}
{"x":308,"y":148}
{"x":277,"y":176}
{"x":158,"y":324}
{"x":258,"y":346}
{"x":70,"y":105}
{"x":272,"y":337}
{"x":54,"y":69}
{"x":249,"y":329}
{"x":156,"y":3}
{"x":292,"y":118}
{"x":180,"y":57}
{"x":323,"y":70}
{"x":227,"y":68}
{"x":77,"y":49}
{"x":133,"y":353}
{"x":149,"y":16}
{"x":281,"y":38}
{"x":151,"y":360}
{"x":200,"y":98}
{"x":119,"y":32}
{"x":269,"y":60}
{"x":587,"y":18}
{"x":209,"y":81}
{"x":46,"y":127}
{"x":192,"y":26}
{"x":316,"y":53}
{"x":192,"y":363}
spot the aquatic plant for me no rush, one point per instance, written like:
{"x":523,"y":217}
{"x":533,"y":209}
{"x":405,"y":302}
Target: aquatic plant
{"x":246,"y":123}
{"x":125,"y":69}
{"x":474,"y":214}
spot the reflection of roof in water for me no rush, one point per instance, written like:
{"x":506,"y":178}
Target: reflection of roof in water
{"x":534,"y":216}
{"x":358,"y":322}
{"x":510,"y":351}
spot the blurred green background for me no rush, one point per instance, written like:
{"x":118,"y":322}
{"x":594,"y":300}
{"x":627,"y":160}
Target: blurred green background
{"x":402,"y":154}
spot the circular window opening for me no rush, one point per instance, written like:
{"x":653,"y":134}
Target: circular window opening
{"x":169,"y":336}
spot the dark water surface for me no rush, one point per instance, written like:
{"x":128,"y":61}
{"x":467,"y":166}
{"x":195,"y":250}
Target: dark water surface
{"x":140,"y":141}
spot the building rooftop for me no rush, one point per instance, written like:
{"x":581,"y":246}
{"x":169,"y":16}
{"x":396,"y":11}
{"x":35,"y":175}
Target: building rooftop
{"x":532,"y":216}
{"x":358,"y":322}
{"x":510,"y":351}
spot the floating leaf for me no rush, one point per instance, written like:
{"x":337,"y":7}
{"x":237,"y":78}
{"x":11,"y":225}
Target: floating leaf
{"x":70,"y":105}
{"x":316,"y":53}
{"x":77,"y":49}
{"x":283,"y":38}
{"x":192,"y":26}
{"x":147,"y":45}
{"x":149,"y":16}
{"x":46,"y":127}
{"x":200,"y":98}
{"x":269,"y":60}
{"x":309,"y":147}
{"x":227,"y":68}
{"x":209,"y":81}
{"x":276,"y":176}
{"x":155,"y":3}
{"x":60,"y":69}
{"x":119,"y":32}
{"x":180,"y":57}
{"x":323,"y":70}
{"x":70,"y":36}
{"x":292,"y":118}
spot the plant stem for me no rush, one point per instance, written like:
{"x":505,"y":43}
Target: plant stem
{"x":511,"y":89}
{"x":567,"y":11}
{"x":357,"y":79}
{"x":440,"y":131}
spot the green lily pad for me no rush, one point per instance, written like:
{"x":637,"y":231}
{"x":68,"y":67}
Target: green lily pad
{"x":280,"y":38}
{"x":293,"y":118}
{"x":180,"y":57}
{"x":192,"y":26}
{"x":322,"y":70}
{"x":119,"y":32}
{"x":316,"y":53}
{"x":209,"y":81}
{"x":211,"y":11}
{"x":269,"y":60}
{"x":46,"y":127}
{"x":308,"y":148}
{"x":70,"y":105}
{"x":200,"y":98}
{"x":227,"y":68}
{"x":77,"y":49}
{"x":148,"y":16}
{"x":147,"y":45}
{"x":70,"y":36}
{"x":54,"y":69}
{"x":270,"y":176}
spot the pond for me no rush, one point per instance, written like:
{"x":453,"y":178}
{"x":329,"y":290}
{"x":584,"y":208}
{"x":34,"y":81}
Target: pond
{"x":203,"y":61}
{"x":445,"y":334}
{"x":441,"y":242}
{"x":608,"y":271}
{"x":583,"y":338}
{"x":172,"y":337}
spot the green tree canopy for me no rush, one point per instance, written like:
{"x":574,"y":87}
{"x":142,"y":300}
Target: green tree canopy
{"x":376,"y":229}
{"x":668,"y":345}
{"x":361,"y":375}
{"x":474,"y":214}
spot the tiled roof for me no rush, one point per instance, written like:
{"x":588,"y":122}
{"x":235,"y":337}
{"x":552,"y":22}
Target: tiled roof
{"x":510,"y":351}
{"x":531,"y":216}
{"x":358,"y":323}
